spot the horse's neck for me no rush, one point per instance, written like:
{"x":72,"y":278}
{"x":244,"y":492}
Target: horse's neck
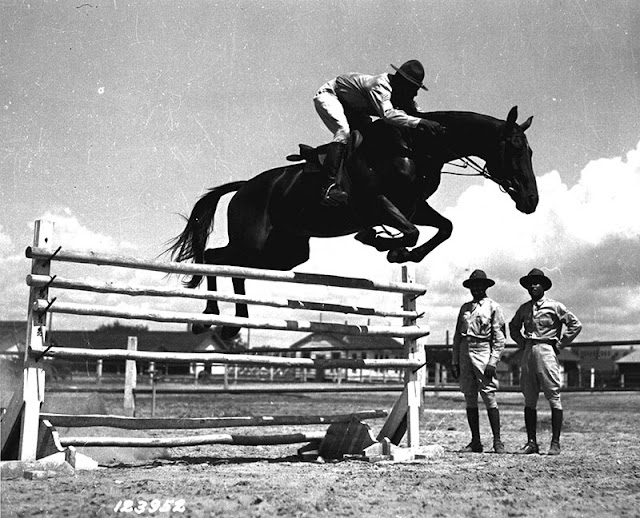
{"x":467,"y":134}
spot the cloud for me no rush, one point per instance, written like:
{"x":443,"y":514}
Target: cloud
{"x":586,"y":237}
{"x":71,"y":233}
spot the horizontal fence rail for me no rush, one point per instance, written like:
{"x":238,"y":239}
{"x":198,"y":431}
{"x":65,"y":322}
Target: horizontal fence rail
{"x":55,"y":281}
{"x":223,"y":358}
{"x":199,"y":440}
{"x":191,"y":423}
{"x":89,"y":257}
{"x":252,"y":323}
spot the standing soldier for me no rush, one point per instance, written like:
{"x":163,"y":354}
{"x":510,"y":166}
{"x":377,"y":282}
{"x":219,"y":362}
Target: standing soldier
{"x":478,"y":343}
{"x":542,"y":319}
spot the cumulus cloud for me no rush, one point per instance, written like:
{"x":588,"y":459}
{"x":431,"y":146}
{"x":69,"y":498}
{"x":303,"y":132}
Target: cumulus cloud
{"x":586,"y":237}
{"x":71,"y":233}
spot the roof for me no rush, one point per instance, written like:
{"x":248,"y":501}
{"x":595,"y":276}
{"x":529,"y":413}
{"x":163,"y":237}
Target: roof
{"x":345,"y":341}
{"x":632,"y":357}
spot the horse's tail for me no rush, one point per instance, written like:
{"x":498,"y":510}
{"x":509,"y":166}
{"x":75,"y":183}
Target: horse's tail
{"x":191,"y":243}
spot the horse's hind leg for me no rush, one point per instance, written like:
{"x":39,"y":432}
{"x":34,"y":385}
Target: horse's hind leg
{"x":212,"y":256}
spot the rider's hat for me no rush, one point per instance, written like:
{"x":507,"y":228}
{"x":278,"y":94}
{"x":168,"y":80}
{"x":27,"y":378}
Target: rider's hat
{"x":412,"y":71}
{"x":478,"y":278}
{"x":536,"y":275}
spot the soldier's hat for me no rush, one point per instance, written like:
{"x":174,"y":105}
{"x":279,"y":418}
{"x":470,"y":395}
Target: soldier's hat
{"x":412,"y":71}
{"x":536,"y":275}
{"x":478,"y":278}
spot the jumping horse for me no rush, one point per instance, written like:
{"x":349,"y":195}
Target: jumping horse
{"x":272,"y":216}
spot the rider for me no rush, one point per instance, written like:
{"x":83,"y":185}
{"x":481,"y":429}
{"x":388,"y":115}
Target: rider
{"x":352,"y":99}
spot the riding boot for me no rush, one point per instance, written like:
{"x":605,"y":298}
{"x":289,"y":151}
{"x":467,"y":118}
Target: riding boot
{"x":494,"y":421}
{"x":473,"y":418}
{"x":530,"y":423}
{"x":333,"y":192}
{"x":556,"y":428}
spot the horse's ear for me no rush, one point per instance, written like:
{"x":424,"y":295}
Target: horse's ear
{"x":513,"y":115}
{"x":525,"y":125}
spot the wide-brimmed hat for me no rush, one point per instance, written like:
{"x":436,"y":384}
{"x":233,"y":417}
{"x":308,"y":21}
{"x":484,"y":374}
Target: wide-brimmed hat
{"x":412,"y":71}
{"x":536,"y":275}
{"x":478,"y":278}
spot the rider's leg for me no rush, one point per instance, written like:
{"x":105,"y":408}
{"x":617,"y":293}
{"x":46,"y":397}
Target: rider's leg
{"x":332,"y":113}
{"x":334,"y":193}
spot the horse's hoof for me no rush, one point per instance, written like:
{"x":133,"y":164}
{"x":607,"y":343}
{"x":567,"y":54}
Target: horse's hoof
{"x":198,"y":329}
{"x":398,"y":255}
{"x":366,"y":237}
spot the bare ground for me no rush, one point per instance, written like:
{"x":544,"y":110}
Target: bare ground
{"x":597,"y":474}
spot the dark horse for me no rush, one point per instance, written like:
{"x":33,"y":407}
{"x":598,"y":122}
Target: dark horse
{"x":272,"y":216}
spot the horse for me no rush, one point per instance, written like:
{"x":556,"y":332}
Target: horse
{"x":272,"y":216}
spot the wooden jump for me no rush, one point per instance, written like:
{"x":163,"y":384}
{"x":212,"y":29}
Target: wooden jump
{"x":22,"y":420}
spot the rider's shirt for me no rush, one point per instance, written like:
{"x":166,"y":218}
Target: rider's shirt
{"x":371,"y":95}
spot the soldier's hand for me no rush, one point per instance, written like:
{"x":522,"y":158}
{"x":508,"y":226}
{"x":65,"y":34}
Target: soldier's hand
{"x":490,"y":371}
{"x":455,"y":371}
{"x":431,"y":127}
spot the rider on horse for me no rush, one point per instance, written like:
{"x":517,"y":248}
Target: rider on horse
{"x":350,"y":100}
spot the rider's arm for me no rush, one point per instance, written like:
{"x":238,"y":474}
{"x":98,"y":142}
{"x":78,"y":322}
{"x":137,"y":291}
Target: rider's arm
{"x":380,"y":97}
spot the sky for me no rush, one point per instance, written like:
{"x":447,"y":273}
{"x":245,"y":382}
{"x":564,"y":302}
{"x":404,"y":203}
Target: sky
{"x":116,"y":116}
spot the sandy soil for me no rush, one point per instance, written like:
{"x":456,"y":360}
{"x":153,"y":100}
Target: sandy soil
{"x":597,"y":474}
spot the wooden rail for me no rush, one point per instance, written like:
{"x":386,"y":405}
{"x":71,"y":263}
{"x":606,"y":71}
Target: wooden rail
{"x":190,"y":423}
{"x":89,"y":257}
{"x":223,"y":358}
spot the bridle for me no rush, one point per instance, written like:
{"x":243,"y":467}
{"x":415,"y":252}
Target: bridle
{"x":480,"y":170}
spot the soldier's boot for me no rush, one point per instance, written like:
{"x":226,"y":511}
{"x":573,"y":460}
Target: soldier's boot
{"x":473,"y":418}
{"x":556,"y":428}
{"x":334,"y":194}
{"x":494,"y":421}
{"x":530,"y":423}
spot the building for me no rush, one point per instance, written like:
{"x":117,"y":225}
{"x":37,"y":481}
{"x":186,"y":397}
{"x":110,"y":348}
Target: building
{"x":629,"y":369}
{"x":115,"y":336}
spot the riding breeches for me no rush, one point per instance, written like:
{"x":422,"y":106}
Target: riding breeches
{"x":474,"y":358}
{"x":540,"y":370}
{"x":332,"y":112}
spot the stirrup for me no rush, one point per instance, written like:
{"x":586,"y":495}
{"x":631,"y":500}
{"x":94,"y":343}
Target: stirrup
{"x":334,"y":196}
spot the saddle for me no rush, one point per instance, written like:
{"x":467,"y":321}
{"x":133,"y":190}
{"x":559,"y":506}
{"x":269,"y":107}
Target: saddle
{"x":315,"y":155}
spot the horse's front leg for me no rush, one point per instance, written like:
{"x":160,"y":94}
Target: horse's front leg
{"x":386,"y":213}
{"x":425,"y":215}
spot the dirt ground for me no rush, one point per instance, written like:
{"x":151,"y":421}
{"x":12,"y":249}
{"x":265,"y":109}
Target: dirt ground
{"x":597,"y":474}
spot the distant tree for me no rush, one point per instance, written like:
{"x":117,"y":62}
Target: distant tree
{"x":117,"y":327}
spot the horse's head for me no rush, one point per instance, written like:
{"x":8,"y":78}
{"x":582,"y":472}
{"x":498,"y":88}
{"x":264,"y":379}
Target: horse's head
{"x":511,"y":168}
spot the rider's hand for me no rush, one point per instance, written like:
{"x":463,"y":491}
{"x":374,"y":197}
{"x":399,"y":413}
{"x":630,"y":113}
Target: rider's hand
{"x":455,"y":371}
{"x":431,"y":127}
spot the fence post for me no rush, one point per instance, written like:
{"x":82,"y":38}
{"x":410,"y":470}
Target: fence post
{"x":130,"y":379}
{"x":414,"y":379}
{"x":33,"y":374}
